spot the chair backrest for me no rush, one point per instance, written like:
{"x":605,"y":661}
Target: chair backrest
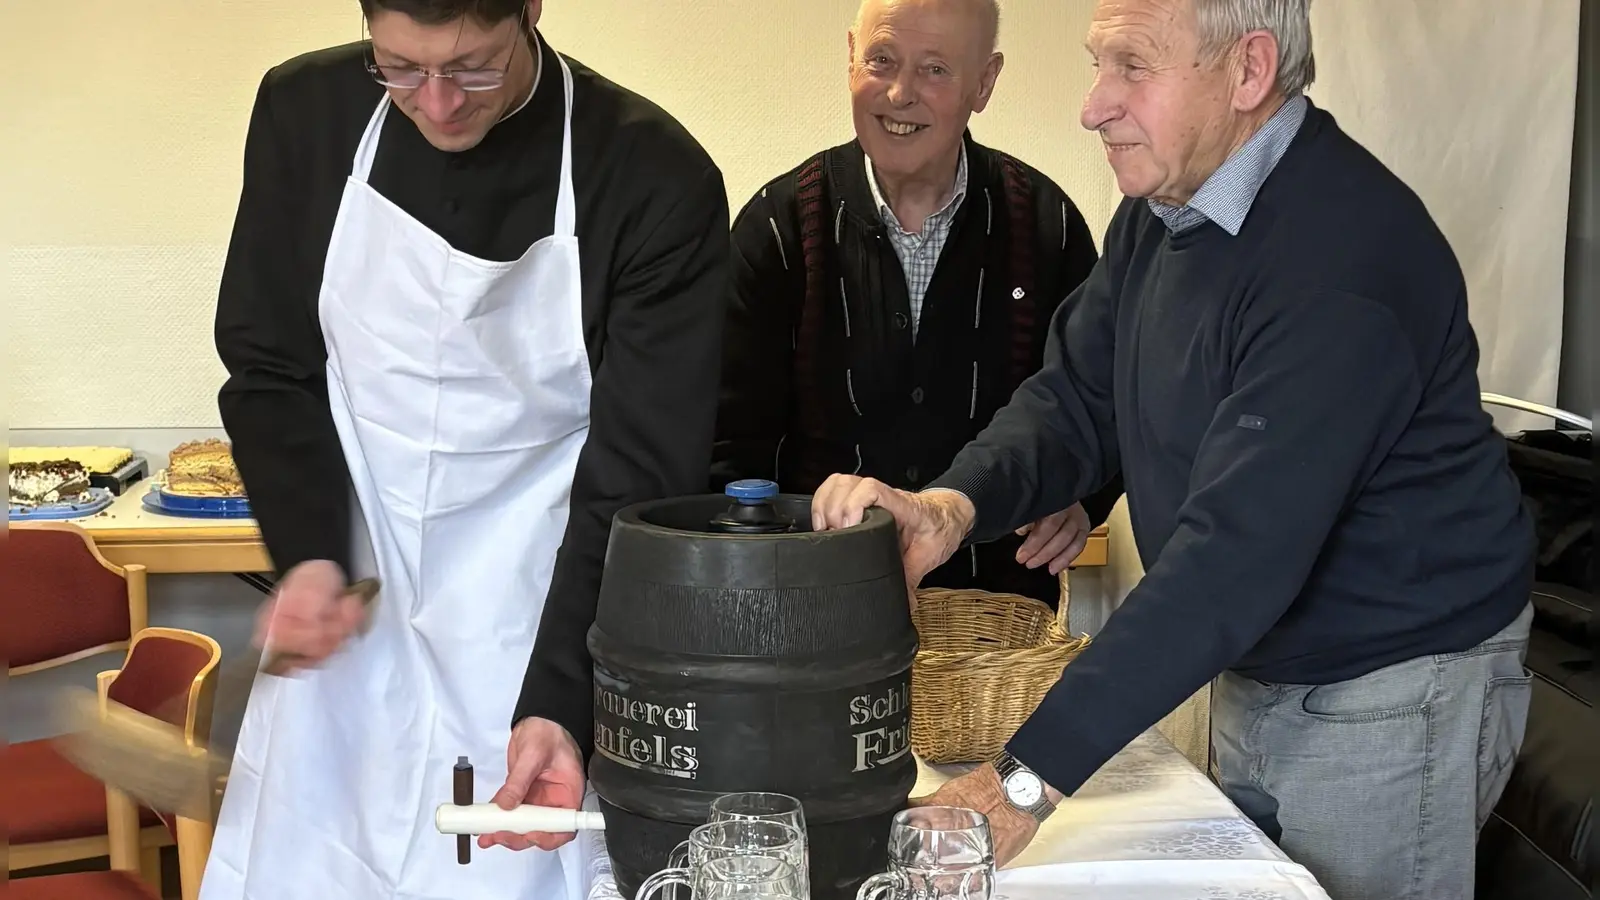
{"x":169,"y":675}
{"x":60,"y":600}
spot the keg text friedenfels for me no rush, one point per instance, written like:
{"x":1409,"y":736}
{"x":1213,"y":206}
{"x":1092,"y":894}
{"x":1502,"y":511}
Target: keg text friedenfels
{"x":647,"y":751}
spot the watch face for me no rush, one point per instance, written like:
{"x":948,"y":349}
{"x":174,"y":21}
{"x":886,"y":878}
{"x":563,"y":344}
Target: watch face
{"x":1024,"y":789}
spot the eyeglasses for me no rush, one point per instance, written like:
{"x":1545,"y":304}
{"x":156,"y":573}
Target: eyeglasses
{"x":409,"y":78}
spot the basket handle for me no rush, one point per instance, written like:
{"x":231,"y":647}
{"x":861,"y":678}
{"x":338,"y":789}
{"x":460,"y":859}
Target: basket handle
{"x":1059,"y":628}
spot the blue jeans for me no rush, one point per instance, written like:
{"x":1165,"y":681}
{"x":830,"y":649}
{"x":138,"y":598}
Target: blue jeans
{"x":1378,"y":785}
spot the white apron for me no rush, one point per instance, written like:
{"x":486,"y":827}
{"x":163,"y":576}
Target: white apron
{"x":460,"y":388}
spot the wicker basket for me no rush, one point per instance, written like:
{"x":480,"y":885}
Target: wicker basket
{"x":985,"y":662}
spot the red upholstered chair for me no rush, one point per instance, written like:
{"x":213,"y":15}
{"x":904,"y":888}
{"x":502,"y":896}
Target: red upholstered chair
{"x":61,"y":602}
{"x":162,"y":663}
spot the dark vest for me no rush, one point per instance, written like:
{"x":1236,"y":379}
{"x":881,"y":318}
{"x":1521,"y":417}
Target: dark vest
{"x":870,"y":401}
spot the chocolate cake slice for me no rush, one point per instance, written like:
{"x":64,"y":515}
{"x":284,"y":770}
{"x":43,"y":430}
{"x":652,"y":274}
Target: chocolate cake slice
{"x":50,"y":481}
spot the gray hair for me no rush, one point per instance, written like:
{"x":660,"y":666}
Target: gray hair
{"x":990,"y":10}
{"x":1224,"y":22}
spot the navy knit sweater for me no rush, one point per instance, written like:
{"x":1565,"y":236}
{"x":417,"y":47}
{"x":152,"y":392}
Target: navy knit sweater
{"x":1314,"y":486}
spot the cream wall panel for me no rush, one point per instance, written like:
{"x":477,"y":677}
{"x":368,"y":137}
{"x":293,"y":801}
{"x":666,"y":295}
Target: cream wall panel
{"x":119,"y":178}
{"x":119,"y":174}
{"x":136,"y":141}
{"x":121,"y":183}
{"x":1475,"y":111}
{"x":157,"y":300}
{"x":763,"y":85}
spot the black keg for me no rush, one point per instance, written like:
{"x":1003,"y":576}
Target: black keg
{"x":735,"y":649}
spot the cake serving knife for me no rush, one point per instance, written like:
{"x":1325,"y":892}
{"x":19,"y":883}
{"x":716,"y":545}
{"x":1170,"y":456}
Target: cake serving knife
{"x":147,"y":757}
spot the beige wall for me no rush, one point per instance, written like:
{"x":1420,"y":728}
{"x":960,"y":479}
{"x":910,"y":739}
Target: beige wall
{"x":119,"y":191}
{"x":121,"y":132}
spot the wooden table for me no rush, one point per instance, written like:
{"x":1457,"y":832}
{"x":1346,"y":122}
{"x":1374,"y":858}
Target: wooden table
{"x":1097,"y":551}
{"x":126,"y":532}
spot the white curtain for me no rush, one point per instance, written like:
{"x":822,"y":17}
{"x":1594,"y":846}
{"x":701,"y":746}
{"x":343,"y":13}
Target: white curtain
{"x":1472,"y":103}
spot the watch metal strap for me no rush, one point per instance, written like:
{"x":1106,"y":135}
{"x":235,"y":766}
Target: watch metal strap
{"x":1005,"y":765}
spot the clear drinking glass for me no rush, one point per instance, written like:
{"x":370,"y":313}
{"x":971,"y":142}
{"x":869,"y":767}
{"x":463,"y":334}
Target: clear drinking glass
{"x":936,"y":853}
{"x":766,"y":806}
{"x":733,"y":878}
{"x":761,"y":806}
{"x":743,"y":839}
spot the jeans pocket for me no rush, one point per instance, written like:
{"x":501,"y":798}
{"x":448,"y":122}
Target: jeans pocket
{"x":1397,"y":691}
{"x":1500,"y":733}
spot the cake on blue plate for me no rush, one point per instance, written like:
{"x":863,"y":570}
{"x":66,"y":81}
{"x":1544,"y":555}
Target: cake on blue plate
{"x":47,"y":482}
{"x":203,"y":469}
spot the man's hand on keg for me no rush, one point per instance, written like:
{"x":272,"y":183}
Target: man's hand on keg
{"x":932,"y":523}
{"x":1055,"y":540}
{"x":309,"y":613}
{"x":544,"y":768}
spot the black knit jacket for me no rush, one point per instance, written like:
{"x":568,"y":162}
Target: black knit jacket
{"x":820,"y":373}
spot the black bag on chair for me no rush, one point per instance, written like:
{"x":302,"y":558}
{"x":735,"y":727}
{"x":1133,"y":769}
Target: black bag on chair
{"x":1557,"y":471}
{"x":1540,"y":841}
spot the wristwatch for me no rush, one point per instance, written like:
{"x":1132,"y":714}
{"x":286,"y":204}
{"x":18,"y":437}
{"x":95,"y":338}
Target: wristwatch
{"x":1023,"y":789}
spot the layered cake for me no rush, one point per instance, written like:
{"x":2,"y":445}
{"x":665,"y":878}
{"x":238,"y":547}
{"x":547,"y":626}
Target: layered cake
{"x":97,"y":460}
{"x":48,"y":481}
{"x":203,"y":469}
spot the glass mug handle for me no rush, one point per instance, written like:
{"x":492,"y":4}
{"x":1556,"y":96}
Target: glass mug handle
{"x":679,"y":857}
{"x":664,"y":878}
{"x":882,"y":886}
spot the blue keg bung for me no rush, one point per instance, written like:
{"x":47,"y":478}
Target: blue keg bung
{"x":752,"y":510}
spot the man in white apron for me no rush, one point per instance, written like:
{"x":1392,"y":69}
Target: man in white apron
{"x":427,"y":385}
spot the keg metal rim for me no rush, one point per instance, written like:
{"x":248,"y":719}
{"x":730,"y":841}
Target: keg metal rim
{"x":634,"y":517}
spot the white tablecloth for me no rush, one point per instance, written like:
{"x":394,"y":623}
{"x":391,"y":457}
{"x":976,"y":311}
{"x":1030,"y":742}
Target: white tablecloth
{"x":1147,"y":826}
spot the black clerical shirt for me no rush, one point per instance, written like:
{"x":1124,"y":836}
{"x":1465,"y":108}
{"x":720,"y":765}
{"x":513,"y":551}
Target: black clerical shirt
{"x":652,"y":226}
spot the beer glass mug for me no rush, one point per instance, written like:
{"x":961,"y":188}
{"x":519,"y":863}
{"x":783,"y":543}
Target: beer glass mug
{"x":759,"y":805}
{"x":736,"y":878}
{"x":767,"y":807}
{"x":732,"y":838}
{"x":756,"y":806}
{"x":936,"y":853}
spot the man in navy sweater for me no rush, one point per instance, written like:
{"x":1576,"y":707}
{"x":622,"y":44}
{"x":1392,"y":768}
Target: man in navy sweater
{"x":1274,"y":353}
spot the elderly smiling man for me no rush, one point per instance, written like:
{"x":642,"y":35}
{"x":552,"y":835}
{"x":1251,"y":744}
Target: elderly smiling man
{"x":889,"y":294}
{"x":1275,"y":353}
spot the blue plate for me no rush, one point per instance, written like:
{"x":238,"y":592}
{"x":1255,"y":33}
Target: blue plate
{"x":159,"y":501}
{"x":98,"y":499}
